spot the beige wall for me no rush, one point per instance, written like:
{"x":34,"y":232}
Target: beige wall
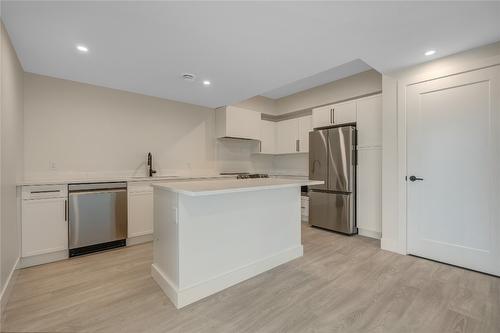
{"x":11,"y":145}
{"x":79,"y":130}
{"x":361,"y":84}
{"x":393,"y":185}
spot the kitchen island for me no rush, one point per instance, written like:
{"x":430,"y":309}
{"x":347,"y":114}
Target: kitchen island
{"x":212,"y":234}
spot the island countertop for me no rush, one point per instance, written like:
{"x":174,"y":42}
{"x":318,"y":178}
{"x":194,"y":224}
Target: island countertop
{"x":221,"y":186}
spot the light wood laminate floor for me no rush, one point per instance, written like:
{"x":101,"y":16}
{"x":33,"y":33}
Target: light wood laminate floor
{"x":342,"y":284}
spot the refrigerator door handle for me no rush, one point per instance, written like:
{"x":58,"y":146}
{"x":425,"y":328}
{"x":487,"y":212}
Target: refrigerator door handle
{"x":314,"y":165}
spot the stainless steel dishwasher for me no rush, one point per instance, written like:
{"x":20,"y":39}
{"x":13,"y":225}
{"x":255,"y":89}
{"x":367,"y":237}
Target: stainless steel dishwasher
{"x":97,"y":217}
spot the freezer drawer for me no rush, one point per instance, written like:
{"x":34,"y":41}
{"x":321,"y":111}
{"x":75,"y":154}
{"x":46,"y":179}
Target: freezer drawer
{"x":332,"y":211}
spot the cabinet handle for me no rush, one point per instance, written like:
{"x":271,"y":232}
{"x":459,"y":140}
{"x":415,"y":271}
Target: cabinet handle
{"x":65,"y":210}
{"x":297,"y":145}
{"x":331,"y":116}
{"x":260,"y":146}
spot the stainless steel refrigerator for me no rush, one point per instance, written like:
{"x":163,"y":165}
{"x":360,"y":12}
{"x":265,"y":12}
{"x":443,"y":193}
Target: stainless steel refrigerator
{"x":332,"y":158}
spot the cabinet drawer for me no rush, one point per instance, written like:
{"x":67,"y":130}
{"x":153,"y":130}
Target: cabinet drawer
{"x":44,"y":192}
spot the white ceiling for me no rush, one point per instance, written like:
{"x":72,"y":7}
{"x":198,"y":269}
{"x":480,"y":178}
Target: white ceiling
{"x":336,"y":73}
{"x":244,"y":48}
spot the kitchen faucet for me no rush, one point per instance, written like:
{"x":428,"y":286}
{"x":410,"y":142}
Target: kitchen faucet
{"x":151,"y":172}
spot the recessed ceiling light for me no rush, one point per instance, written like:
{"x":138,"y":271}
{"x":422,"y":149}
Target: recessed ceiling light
{"x":430,"y":52}
{"x":82,"y":48}
{"x":206,"y":82}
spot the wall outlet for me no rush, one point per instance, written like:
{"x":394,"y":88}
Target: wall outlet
{"x":52,"y":165}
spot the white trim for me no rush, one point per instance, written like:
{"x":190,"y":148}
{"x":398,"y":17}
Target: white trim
{"x":193,"y":293}
{"x":140,"y":238}
{"x":168,"y":287}
{"x":7,"y":288}
{"x":400,"y":245}
{"x":44,"y":251}
{"x":390,"y":244}
{"x":43,"y":258}
{"x":369,"y":233}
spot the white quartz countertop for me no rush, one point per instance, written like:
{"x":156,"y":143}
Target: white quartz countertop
{"x":221,"y":186}
{"x":74,"y":180}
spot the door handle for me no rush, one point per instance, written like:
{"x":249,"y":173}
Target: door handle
{"x":413,"y":178}
{"x":65,"y":210}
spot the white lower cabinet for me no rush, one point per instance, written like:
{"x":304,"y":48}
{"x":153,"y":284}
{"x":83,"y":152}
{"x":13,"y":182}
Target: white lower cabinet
{"x":140,"y":209}
{"x":44,"y":222}
{"x":369,"y":192}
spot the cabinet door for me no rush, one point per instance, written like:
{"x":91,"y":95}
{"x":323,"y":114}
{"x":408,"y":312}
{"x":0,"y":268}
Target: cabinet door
{"x":344,"y":113}
{"x":140,"y":211}
{"x":44,"y":226}
{"x":287,"y":136}
{"x":369,"y":122}
{"x":267,"y":136}
{"x":305,"y":126}
{"x":322,"y":116}
{"x":242,"y":123}
{"x":369,"y":181}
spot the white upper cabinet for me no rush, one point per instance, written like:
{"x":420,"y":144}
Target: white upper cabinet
{"x":335,"y":114}
{"x":322,"y":116}
{"x":292,"y":135}
{"x":344,"y":113}
{"x":369,"y":121}
{"x":267,"y":137}
{"x":305,"y":126}
{"x":235,"y":122}
{"x":287,"y":136}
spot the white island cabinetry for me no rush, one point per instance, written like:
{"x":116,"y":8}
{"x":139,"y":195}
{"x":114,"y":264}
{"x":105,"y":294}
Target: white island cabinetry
{"x":210,"y":235}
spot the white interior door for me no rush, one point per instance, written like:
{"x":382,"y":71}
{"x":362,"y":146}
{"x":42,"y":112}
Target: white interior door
{"x":453,"y":140}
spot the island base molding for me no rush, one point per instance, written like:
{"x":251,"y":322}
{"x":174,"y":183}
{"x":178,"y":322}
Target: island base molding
{"x":191,"y":294}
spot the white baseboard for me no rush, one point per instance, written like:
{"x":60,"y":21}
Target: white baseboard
{"x":7,"y":288}
{"x":168,"y":287}
{"x":43,"y":258}
{"x":191,"y":294}
{"x":139,"y":239}
{"x":369,"y":233}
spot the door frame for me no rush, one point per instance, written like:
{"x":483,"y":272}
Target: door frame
{"x":438,"y":69}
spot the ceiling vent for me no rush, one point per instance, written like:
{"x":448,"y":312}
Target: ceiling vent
{"x":188,"y":77}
